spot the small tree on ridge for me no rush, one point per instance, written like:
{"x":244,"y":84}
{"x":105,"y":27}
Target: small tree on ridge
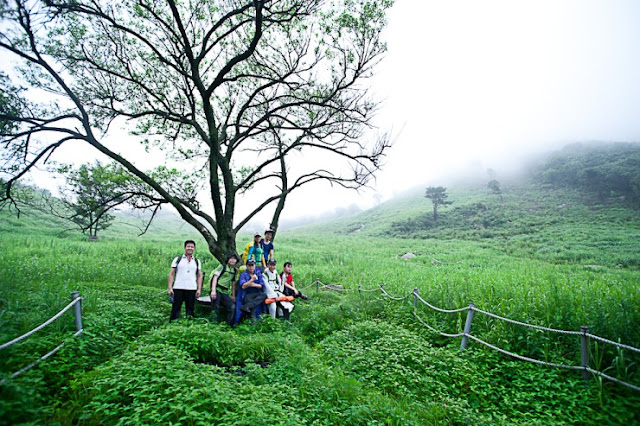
{"x":438,"y":196}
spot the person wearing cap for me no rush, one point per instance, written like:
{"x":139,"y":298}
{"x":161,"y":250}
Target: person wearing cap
{"x":256,"y":252}
{"x":275,"y":290}
{"x":223,"y":288}
{"x":250,"y":291}
{"x":267,"y":246}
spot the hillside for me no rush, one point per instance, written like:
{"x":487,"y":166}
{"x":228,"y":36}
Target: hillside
{"x":529,"y":220}
{"x":550,"y":256}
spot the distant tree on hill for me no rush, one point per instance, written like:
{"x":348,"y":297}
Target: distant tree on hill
{"x":438,"y":196}
{"x":494,"y":186}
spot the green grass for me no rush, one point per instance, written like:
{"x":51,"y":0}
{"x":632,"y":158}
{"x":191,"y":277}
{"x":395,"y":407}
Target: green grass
{"x":344,"y":358}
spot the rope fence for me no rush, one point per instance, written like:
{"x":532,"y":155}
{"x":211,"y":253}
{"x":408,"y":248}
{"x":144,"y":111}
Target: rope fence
{"x":585,"y":336}
{"x":524,"y":324}
{"x":76,"y":304}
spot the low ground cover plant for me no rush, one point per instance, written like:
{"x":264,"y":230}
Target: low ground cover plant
{"x":345,"y":358}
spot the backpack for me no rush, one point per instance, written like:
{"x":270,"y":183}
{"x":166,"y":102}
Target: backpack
{"x":245,"y":253}
{"x":224,"y":268}
{"x":177,"y":260}
{"x":287,"y":290}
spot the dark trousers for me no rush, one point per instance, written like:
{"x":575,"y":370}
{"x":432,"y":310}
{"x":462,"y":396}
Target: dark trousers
{"x":252,"y":300}
{"x":285,"y":314}
{"x":179,"y":296}
{"x":229,"y":305}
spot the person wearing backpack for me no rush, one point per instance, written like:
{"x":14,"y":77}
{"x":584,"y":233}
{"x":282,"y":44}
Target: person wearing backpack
{"x":223,"y":288}
{"x":185,"y":281}
{"x":277,"y":302}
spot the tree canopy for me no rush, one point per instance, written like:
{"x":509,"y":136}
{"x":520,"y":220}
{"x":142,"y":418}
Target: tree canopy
{"x":438,"y":196}
{"x":601,"y":169}
{"x":494,"y":186}
{"x":200,"y":82}
{"x":92,"y":191}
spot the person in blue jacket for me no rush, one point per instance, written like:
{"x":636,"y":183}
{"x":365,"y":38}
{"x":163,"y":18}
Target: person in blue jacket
{"x":251,"y":294}
{"x":267,"y":246}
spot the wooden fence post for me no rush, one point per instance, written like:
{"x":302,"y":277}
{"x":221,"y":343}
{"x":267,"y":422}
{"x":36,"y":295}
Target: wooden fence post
{"x":467,"y":326}
{"x":584,"y":351}
{"x":317,"y":284}
{"x":77,"y":310}
{"x":415,"y":298}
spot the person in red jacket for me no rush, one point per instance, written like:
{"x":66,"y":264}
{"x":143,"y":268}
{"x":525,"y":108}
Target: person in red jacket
{"x":287,"y":279}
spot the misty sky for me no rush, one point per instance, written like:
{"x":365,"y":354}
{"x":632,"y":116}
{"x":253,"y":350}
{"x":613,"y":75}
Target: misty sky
{"x":469,"y":85}
{"x":478,"y":84}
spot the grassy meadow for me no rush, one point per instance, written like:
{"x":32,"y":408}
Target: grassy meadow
{"x":539,"y":255}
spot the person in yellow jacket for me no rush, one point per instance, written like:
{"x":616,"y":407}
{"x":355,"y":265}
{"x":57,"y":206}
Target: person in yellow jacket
{"x":256,"y":253}
{"x":256,"y":240}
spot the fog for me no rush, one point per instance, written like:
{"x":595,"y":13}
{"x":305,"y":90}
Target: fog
{"x":469,"y":85}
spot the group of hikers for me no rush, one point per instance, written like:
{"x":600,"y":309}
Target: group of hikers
{"x":242,"y":291}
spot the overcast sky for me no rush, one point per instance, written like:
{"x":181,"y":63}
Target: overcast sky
{"x":469,"y":85}
{"x":480,"y":84}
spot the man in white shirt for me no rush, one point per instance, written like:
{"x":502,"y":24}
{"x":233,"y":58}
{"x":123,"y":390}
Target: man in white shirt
{"x":185,"y":281}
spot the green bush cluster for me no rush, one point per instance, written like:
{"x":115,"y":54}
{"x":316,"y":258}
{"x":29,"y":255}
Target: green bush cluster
{"x":475,"y":386}
{"x":196,"y":373}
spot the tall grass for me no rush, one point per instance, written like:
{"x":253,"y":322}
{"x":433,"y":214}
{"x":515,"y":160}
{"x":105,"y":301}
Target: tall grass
{"x":560,"y":272}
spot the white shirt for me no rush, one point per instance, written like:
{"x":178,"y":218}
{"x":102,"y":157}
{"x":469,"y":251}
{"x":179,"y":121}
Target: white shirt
{"x":271,"y":283}
{"x":186,"y":278}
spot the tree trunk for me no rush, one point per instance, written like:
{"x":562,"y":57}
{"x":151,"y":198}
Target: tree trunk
{"x":226,"y":243}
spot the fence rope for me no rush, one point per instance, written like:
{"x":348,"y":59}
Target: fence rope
{"x":511,"y":354}
{"x":372,"y":290}
{"x":384,"y":293}
{"x":539,"y":327}
{"x":42,"y":358}
{"x":434,"y":330}
{"x":320,"y":284}
{"x":41,"y":326}
{"x":611,"y":342}
{"x":435,"y":308}
{"x":613,"y":379}
{"x":523,"y":358}
{"x":310,"y":285}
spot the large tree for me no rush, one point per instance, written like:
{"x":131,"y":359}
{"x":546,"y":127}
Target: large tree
{"x":200,"y":81}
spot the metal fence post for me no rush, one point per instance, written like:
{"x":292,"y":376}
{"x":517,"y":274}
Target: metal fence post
{"x":584,"y":351}
{"x":77,"y":310}
{"x":467,"y":326}
{"x":317,"y":284}
{"x":415,"y":298}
